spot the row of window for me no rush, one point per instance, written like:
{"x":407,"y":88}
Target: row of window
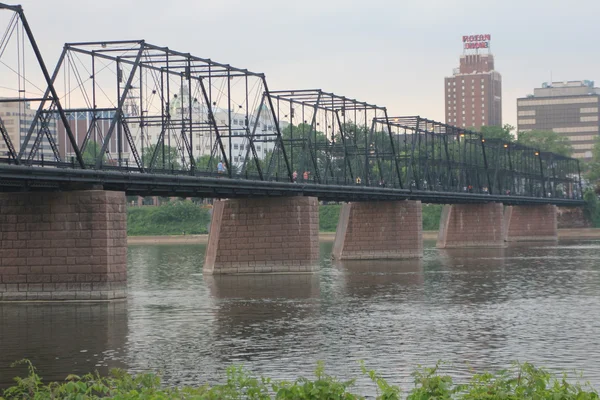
{"x":241,"y":122}
{"x":582,"y":138}
{"x":462,"y":81}
{"x":550,"y":102}
{"x":577,"y":129}
{"x":525,"y":113}
{"x":582,"y":146}
{"x":453,"y":107}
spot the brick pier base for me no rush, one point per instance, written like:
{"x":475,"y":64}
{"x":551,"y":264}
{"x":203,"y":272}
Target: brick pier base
{"x":531,"y":223}
{"x":471,"y":225}
{"x":63,"y":246}
{"x":265,"y":235}
{"x":379,"y":230}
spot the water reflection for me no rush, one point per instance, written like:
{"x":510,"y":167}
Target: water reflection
{"x":486,"y":307}
{"x":62,"y":338}
{"x":362,"y":278}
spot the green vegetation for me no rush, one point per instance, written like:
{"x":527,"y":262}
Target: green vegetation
{"x":593,"y":167}
{"x":172,"y":218}
{"x":328,"y":217}
{"x":546,"y":141}
{"x":91,"y":153}
{"x":177,"y":217}
{"x":592,"y":208}
{"x":521,"y":381}
{"x":543,"y":140}
{"x":431,"y":216}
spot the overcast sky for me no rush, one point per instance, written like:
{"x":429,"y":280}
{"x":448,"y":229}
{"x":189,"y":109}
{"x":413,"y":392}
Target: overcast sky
{"x":390,"y":53}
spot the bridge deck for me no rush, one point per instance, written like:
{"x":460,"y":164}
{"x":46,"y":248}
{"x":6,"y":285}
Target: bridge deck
{"x":24,"y":178}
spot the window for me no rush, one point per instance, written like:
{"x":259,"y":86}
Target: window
{"x":463,"y":112}
{"x":589,"y":110}
{"x":258,"y":148}
{"x":590,"y":118}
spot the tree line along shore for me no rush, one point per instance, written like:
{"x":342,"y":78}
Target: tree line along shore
{"x":188,"y":218}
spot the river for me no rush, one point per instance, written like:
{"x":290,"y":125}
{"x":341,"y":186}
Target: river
{"x":475,"y":308}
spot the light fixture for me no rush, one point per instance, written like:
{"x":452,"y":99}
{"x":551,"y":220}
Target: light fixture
{"x":505,"y":146}
{"x":482,"y":140}
{"x":537,"y":153}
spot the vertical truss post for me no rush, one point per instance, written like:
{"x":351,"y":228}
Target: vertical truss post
{"x":212,"y":119}
{"x":485,"y":163}
{"x":118,"y":114}
{"x":394,"y":154}
{"x":50,"y":82}
{"x":279,"y":137}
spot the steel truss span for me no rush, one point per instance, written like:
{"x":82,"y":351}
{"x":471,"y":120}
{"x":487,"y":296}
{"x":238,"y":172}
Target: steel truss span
{"x":129,"y":114}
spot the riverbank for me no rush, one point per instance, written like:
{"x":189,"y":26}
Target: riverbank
{"x":517,"y":381}
{"x":565,"y":234}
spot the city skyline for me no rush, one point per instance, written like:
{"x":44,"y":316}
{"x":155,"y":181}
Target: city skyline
{"x":339,"y":48}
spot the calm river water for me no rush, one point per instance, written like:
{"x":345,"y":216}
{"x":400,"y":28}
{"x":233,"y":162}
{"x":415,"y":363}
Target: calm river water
{"x":472,"y":308}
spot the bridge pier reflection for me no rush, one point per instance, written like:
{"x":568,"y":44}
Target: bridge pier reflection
{"x":62,"y":339}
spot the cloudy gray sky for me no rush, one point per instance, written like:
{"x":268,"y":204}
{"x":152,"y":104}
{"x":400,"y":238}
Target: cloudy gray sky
{"x":392,"y":53}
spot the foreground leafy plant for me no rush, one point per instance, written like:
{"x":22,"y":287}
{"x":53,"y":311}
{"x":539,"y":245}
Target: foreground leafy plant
{"x":520,"y":381}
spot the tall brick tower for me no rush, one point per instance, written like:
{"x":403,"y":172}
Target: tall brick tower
{"x":473,"y":94}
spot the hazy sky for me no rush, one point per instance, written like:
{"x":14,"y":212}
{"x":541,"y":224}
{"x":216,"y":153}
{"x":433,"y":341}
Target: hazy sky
{"x":391,"y":53}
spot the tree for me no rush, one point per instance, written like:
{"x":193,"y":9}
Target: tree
{"x":593,"y":167}
{"x":499,"y":132}
{"x":172,"y":157}
{"x":546,"y":141}
{"x":92,"y":150}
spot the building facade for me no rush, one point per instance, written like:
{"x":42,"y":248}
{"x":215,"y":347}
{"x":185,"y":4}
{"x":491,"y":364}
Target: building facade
{"x":473,"y":94}
{"x":568,"y":108}
{"x":17,"y":118}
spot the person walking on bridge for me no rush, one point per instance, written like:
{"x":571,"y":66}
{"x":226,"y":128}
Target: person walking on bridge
{"x":220,"y":168}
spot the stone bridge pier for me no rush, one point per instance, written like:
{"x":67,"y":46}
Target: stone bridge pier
{"x":471,"y":225}
{"x":492,"y":224}
{"x":531,"y":223}
{"x":263,"y":235}
{"x":379,"y":230}
{"x":63,"y":245}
